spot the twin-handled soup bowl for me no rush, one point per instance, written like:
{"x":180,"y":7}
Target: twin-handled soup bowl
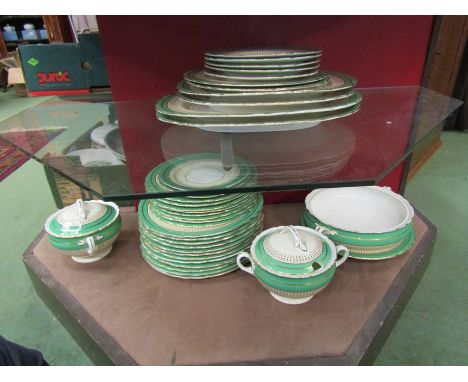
{"x":373,"y":222}
{"x":85,"y":230}
{"x":293,"y":263}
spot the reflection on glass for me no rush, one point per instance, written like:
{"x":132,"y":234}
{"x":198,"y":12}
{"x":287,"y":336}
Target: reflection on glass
{"x":358,"y":149}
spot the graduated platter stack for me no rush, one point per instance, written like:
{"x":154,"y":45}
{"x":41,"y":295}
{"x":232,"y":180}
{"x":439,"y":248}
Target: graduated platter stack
{"x":198,"y":236}
{"x":260,"y":90}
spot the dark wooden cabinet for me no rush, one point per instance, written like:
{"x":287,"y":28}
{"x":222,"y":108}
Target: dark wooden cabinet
{"x":58,"y":30}
{"x":444,"y":65}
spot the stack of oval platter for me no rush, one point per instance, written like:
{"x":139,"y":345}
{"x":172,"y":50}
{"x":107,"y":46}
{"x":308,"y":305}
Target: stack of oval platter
{"x":373,"y":222}
{"x":260,"y":90}
{"x":198,"y":236}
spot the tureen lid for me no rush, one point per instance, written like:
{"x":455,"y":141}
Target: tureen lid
{"x":81,"y":218}
{"x":293,"y":251}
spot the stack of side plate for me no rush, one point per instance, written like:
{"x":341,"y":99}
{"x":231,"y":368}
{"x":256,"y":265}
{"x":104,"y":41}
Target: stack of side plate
{"x":198,"y":236}
{"x":373,"y":222}
{"x":260,"y":90}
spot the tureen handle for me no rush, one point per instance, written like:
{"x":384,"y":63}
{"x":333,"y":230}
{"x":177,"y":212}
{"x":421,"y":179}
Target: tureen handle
{"x":81,"y":209}
{"x":245,"y":255}
{"x":324,"y":230}
{"x":344,"y":256}
{"x":298,"y":242}
{"x":91,"y":245}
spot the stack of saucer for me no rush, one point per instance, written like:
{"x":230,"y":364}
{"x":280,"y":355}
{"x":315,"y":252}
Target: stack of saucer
{"x":260,"y":90}
{"x":198,"y":236}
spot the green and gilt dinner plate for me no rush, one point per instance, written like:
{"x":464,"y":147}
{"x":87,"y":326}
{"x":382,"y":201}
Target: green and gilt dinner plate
{"x":263,"y":53}
{"x":154,"y":231}
{"x":221,"y":257}
{"x":276,"y":66}
{"x":201,"y":77}
{"x":191,"y":266}
{"x":197,"y":253}
{"x":213,"y":244}
{"x":260,"y":76}
{"x":203,"y":218}
{"x":258,"y":61}
{"x":171,"y":230}
{"x":176,"y":272}
{"x":205,"y":211}
{"x":198,"y":171}
{"x":243,"y":72}
{"x":213,"y":206}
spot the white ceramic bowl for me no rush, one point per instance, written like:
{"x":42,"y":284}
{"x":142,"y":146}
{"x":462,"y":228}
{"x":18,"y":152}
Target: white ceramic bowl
{"x":369,"y":209}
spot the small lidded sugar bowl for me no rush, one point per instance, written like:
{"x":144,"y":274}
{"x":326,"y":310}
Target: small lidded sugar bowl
{"x":293,"y":263}
{"x":85,"y":230}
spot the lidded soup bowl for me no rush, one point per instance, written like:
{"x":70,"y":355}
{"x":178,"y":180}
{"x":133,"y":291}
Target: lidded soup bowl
{"x":292,"y":262}
{"x":85,"y":230}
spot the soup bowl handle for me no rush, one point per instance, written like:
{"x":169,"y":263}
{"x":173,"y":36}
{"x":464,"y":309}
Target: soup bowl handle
{"x":344,"y":256}
{"x":245,"y":255}
{"x":91,"y":245}
{"x":324,"y":230}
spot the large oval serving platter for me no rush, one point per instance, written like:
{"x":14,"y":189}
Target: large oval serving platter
{"x":336,"y":84}
{"x":233,"y":106}
{"x":320,"y":79}
{"x":202,"y":77}
{"x":175,"y":107}
{"x":286,"y":124}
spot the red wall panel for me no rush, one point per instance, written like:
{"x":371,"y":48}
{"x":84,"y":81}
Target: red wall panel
{"x":146,"y":56}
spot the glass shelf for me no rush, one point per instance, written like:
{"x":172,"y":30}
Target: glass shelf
{"x":356,"y":150}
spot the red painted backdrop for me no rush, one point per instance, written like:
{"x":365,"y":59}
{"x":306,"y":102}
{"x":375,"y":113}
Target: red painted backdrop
{"x":147,"y":55}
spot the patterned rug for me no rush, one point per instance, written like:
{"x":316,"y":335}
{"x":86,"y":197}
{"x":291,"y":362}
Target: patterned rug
{"x":32,"y":141}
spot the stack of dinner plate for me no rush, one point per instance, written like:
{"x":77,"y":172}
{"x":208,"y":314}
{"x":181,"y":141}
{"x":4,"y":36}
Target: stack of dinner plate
{"x":260,"y":90}
{"x":373,"y":222}
{"x":198,"y":236}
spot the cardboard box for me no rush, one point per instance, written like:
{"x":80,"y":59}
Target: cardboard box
{"x":43,"y":34}
{"x":64,"y":68}
{"x":31,"y":34}
{"x":52,"y":68}
{"x":10,"y":36}
{"x":15,"y":74}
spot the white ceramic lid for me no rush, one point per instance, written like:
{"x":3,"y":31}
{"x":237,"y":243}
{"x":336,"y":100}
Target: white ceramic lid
{"x":293,"y":251}
{"x":289,"y":245}
{"x":81,"y":218}
{"x":80,"y":213}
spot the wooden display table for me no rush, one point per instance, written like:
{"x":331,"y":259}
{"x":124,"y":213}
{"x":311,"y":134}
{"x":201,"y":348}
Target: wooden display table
{"x":122,"y":311}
